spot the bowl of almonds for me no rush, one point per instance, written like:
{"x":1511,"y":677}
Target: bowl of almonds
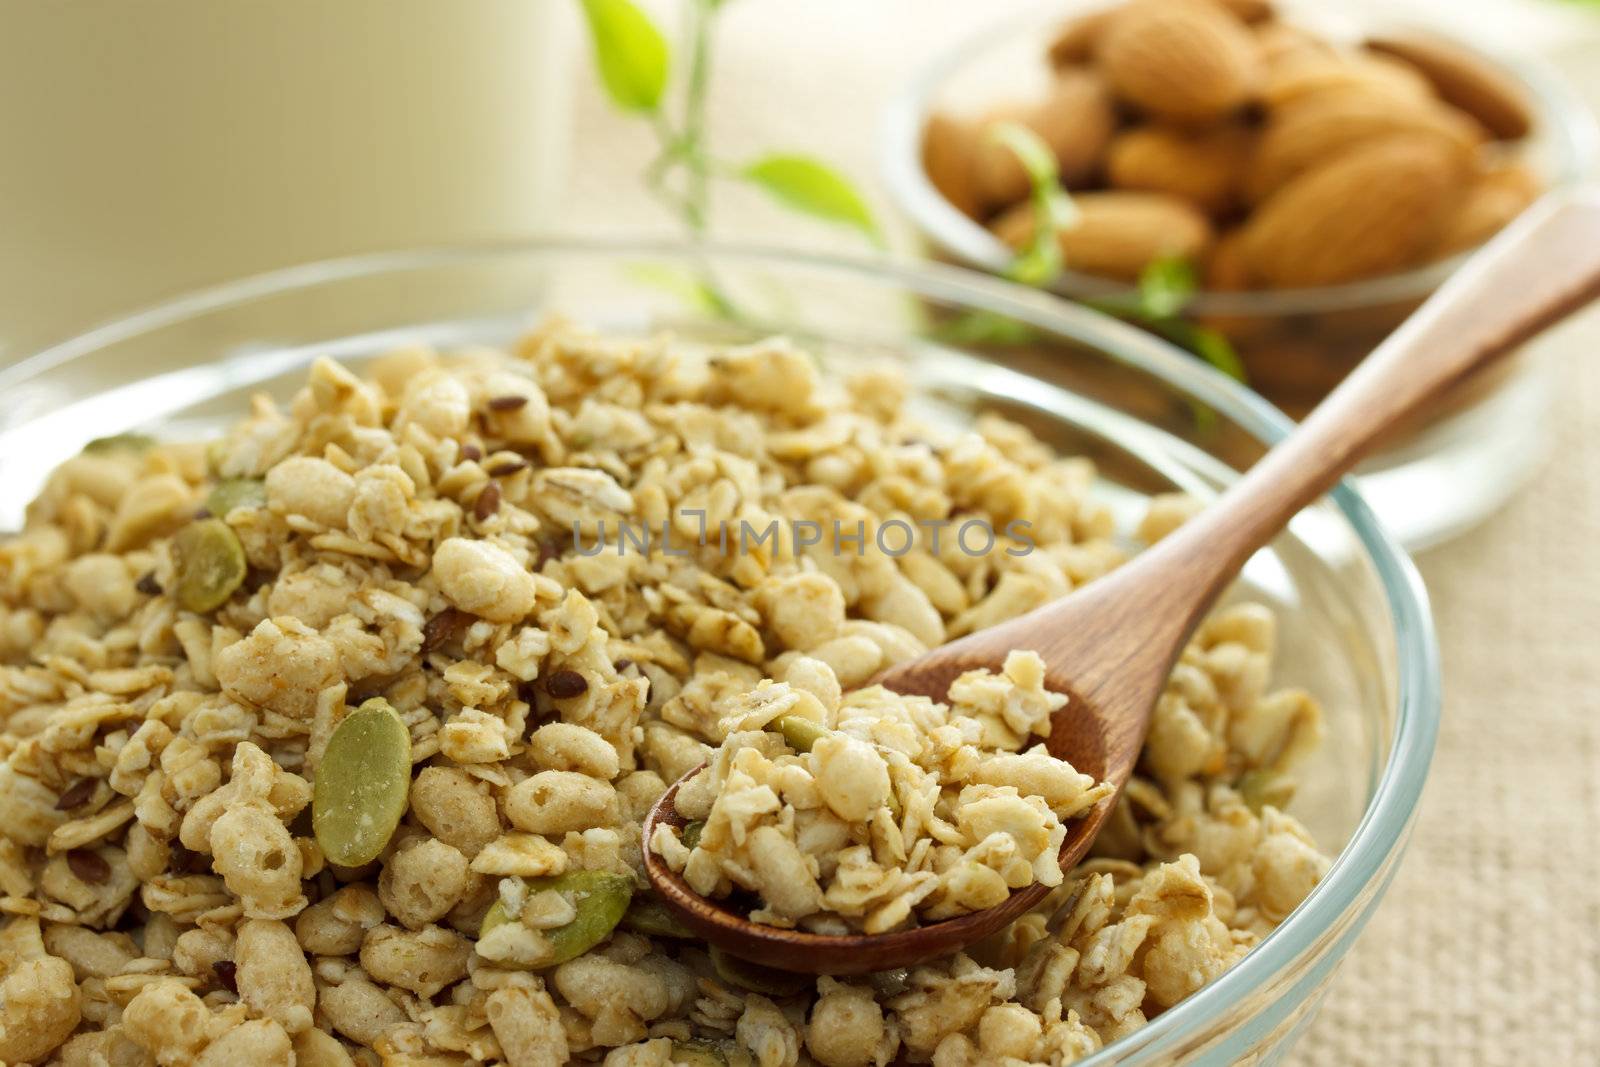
{"x":1273,"y":186}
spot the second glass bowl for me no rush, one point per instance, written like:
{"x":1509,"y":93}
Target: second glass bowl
{"x":1437,"y":480}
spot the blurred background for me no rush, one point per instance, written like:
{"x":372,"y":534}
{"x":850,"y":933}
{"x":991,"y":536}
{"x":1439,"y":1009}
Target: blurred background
{"x":148,"y":147}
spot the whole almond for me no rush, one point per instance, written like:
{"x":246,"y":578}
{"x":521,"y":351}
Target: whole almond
{"x":1279,"y":41}
{"x":1226,"y":269}
{"x":1493,"y":199}
{"x":1074,"y":43}
{"x":1075,"y":120}
{"x":949,"y":155}
{"x":1204,"y":167}
{"x":1303,"y":74}
{"x":1250,"y":11}
{"x":1464,"y":79}
{"x":1185,"y":60}
{"x":1325,"y":125}
{"x":1117,"y":234}
{"x":1375,"y":209}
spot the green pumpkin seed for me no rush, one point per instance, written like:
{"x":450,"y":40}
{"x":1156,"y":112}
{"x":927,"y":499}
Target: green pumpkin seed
{"x":601,"y":899}
{"x":120,"y":442}
{"x":699,"y":1052}
{"x":692,"y":831}
{"x":363,"y":784}
{"x":497,"y":915}
{"x":233,"y":493}
{"x":649,"y":915}
{"x":215,"y":451}
{"x":756,"y":978}
{"x":1261,"y":787}
{"x":798,"y":733}
{"x":208,"y":563}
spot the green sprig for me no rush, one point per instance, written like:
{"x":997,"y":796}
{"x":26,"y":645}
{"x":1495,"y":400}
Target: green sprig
{"x":1166,"y":285}
{"x":1039,"y":263}
{"x":634,"y":61}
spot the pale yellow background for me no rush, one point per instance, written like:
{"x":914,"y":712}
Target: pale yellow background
{"x":1487,"y":949}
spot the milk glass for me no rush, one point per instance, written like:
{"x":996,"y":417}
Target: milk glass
{"x":151,"y":146}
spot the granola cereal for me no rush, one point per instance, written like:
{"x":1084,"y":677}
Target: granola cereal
{"x":525,"y":558}
{"x":877,"y":810}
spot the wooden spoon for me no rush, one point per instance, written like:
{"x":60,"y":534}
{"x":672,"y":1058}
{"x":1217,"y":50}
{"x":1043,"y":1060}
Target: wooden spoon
{"x":1111,"y":645}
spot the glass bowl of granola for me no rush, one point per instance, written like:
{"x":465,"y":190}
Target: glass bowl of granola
{"x":1300,"y":218}
{"x":356,"y":615}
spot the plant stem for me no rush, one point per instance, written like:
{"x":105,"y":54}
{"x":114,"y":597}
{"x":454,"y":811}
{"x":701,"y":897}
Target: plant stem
{"x":680,"y":174}
{"x":697,"y":199}
{"x":681,"y":145}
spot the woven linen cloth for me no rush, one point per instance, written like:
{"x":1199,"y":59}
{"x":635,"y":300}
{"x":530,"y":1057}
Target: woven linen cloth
{"x":1486,"y":949}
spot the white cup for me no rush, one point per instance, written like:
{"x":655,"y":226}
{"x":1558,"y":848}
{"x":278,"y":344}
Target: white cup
{"x":151,"y":146}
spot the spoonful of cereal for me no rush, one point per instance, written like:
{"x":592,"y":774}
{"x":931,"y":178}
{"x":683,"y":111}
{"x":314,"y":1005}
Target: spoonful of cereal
{"x":939,"y":804}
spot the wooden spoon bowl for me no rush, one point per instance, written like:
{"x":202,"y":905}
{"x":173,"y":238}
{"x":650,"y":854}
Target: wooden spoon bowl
{"x":1111,"y":645}
{"x":834,"y":954}
{"x":1099,"y":732}
{"x":1076,"y":735}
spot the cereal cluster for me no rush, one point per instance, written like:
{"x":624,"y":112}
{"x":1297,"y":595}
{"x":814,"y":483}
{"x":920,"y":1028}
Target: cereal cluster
{"x":863,"y":810}
{"x":325,"y":744}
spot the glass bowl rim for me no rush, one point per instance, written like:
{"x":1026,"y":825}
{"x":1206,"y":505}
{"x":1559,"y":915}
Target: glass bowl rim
{"x":1379,"y":835}
{"x":1573,"y":128}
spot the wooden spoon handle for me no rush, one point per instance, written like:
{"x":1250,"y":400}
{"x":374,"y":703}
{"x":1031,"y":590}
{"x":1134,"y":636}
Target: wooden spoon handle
{"x":1541,"y":268}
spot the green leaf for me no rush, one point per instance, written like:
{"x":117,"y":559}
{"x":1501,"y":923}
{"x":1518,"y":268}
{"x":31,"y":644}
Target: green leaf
{"x":630,"y":52}
{"x":813,"y":188}
{"x":1203,"y":341}
{"x":1053,"y":211}
{"x":697,"y":291}
{"x":1165,"y":286}
{"x":984,"y":328}
{"x":1216,"y":350}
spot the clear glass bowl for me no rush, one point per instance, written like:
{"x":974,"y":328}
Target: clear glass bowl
{"x":1354,"y":620}
{"x":1439,"y":478}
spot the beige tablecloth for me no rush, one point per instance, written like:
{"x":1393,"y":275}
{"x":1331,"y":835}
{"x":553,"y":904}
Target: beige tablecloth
{"x":1487,"y":949}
